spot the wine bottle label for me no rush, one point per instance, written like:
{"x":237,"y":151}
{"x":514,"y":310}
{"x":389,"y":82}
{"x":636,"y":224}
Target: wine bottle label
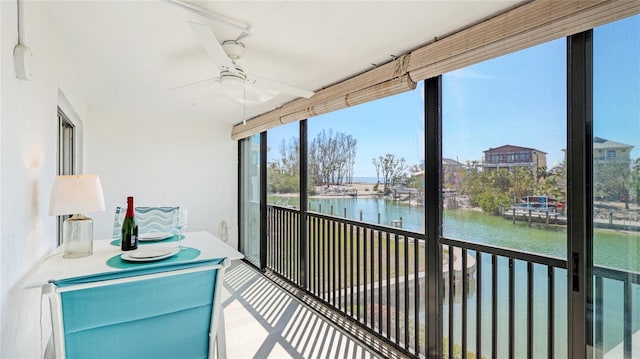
{"x":129,"y":242}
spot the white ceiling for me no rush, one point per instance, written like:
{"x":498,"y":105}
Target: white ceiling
{"x":131,"y":54}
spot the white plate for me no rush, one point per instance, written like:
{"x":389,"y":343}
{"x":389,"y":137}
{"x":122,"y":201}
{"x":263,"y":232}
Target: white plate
{"x":154,"y":236}
{"x":149,"y":254}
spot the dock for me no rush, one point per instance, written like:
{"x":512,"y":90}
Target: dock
{"x":533,"y":216}
{"x":548,"y":217}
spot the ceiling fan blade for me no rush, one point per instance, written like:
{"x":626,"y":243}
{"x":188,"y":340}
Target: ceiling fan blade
{"x":249,"y":95}
{"x":208,"y":81}
{"x":274,"y":85}
{"x":212,"y":46}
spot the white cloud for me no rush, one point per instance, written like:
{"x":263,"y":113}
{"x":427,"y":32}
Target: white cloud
{"x":467,"y":73}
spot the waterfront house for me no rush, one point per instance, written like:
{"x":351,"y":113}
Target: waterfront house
{"x":613,"y":158}
{"x":509,"y":156}
{"x":126,"y":90}
{"x":611,"y":152}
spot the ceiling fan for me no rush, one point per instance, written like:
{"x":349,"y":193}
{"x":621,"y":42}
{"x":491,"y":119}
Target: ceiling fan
{"x":232,"y":75}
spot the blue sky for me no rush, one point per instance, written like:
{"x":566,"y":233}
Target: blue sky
{"x":616,"y":68}
{"x":517,"y":99}
{"x":390,"y":125}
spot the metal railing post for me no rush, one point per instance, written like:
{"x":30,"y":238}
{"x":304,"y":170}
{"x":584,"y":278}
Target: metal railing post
{"x":303,"y":253}
{"x":263,"y":201}
{"x":433,"y":220}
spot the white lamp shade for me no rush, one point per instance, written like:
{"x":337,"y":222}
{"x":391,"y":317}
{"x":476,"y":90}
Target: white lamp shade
{"x":76,"y":194}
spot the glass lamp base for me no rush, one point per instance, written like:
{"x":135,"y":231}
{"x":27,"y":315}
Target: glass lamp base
{"x":77,"y":236}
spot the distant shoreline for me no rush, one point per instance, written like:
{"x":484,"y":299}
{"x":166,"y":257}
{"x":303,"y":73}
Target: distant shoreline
{"x":361,"y":189}
{"x":365,"y":180}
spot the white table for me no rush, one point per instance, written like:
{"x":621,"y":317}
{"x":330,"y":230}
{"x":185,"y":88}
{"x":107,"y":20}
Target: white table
{"x":56,"y":268}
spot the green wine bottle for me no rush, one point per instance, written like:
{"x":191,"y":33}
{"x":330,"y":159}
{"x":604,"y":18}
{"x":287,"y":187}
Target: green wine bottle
{"x":129,"y":239}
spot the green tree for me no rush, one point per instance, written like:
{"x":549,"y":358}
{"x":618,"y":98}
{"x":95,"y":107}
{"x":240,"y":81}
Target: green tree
{"x":472,"y":184}
{"x":611,"y":180}
{"x":377,"y":165}
{"x":523,"y":183}
{"x":491,"y":200}
{"x":332,"y":157}
{"x":416,"y":177}
{"x":283,"y":173}
{"x":554,"y":183}
{"x":492,"y":189}
{"x":331,"y":161}
{"x":635,"y":180}
{"x":393,"y":169}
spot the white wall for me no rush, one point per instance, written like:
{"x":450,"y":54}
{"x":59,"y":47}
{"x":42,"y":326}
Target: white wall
{"x":28,"y":129}
{"x":159,"y":159}
{"x":164,"y":160}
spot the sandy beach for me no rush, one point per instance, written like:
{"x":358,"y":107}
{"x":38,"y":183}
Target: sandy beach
{"x":363,"y":190}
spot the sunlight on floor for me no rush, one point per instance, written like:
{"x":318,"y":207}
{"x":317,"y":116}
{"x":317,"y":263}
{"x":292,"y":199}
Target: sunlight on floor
{"x":263,"y":321}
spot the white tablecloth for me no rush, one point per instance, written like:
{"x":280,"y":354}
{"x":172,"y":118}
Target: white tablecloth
{"x":57,"y":268}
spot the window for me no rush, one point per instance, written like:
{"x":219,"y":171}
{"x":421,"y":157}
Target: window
{"x":517,"y":99}
{"x":520,"y":206}
{"x":366,"y":162}
{"x":66,"y":143}
{"x":283,"y":200}
{"x":616,"y":189}
{"x":283,"y":165}
{"x":523,"y":157}
{"x":66,"y":155}
{"x":495,"y":158}
{"x":250,"y":198}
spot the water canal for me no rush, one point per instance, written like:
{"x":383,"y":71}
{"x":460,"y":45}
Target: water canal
{"x":611,"y":249}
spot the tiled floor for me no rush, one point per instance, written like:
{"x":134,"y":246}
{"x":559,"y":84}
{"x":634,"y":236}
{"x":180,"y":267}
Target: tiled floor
{"x":263,"y":321}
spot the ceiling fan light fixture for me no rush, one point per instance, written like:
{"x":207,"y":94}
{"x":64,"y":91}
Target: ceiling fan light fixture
{"x":233,"y":48}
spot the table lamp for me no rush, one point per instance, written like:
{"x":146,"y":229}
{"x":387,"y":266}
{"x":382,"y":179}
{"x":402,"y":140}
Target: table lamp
{"x":76,"y":194}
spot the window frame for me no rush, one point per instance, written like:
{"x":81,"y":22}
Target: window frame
{"x":66,"y":157}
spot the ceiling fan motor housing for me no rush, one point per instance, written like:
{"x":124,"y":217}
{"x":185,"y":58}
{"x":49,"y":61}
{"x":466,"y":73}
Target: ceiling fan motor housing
{"x":233,"y":79}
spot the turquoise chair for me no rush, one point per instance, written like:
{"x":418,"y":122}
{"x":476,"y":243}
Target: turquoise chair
{"x":156,"y":311}
{"x":148,"y":219}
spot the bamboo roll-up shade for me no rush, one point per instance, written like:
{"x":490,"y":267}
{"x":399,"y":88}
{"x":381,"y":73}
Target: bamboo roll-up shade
{"x":257,"y":124}
{"x":366,"y":80}
{"x":519,"y":20}
{"x":327,"y":97}
{"x":528,"y":25}
{"x":385,"y":89}
{"x":447,"y":57}
{"x":380,"y":90}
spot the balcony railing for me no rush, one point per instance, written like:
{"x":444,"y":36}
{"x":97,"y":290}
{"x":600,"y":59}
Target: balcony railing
{"x":368,"y":272}
{"x":484,"y":277}
{"x":497,"y":302}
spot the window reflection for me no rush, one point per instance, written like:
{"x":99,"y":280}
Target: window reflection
{"x":616,"y":187}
